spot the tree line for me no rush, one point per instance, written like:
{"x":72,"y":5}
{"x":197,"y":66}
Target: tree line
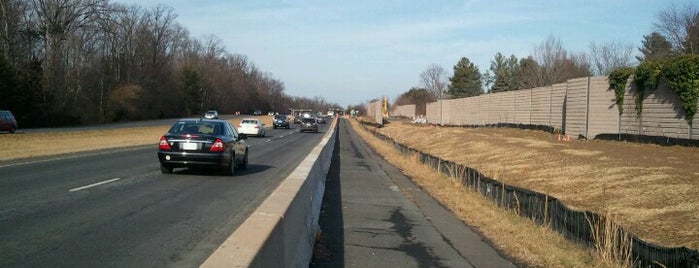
{"x":71,"y":62}
{"x":675,"y":33}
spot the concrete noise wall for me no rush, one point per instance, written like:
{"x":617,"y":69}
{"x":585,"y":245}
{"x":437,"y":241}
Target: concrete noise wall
{"x":405,"y":111}
{"x":580,"y":107}
{"x":281,"y":232}
{"x":374,"y":111}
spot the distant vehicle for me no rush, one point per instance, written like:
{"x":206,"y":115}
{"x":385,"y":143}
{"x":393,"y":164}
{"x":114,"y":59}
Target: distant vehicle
{"x":202,"y":143}
{"x":281,"y":121}
{"x":7,"y":121}
{"x":211,"y":114}
{"x":309,"y":124}
{"x":257,"y":112}
{"x":252,"y":127}
{"x":321,"y":119}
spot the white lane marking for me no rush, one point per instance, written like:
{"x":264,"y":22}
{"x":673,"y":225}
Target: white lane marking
{"x":93,"y":185}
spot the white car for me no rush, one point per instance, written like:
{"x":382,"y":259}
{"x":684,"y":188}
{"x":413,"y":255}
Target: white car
{"x":252,"y":127}
{"x":211,"y":114}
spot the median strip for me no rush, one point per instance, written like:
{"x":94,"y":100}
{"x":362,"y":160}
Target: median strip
{"x":93,"y":185}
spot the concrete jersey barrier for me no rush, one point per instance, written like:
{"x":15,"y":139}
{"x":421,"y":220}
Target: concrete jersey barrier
{"x":281,"y":231}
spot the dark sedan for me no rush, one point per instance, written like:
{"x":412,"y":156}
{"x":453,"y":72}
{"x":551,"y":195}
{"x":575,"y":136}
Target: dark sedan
{"x":203,"y":143}
{"x":309,"y":124}
{"x":281,"y":121}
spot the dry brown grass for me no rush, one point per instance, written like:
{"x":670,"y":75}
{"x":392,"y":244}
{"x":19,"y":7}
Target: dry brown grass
{"x":28,"y":145}
{"x":652,"y":190}
{"x":529,"y":244}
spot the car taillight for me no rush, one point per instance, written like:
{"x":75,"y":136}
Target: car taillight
{"x":217,"y":147}
{"x":257,"y":126}
{"x":164,"y":145}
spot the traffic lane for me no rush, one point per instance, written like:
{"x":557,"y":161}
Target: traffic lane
{"x":374,"y":216}
{"x":143,"y":219}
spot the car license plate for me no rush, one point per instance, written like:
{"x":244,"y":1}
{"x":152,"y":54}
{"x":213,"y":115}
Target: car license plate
{"x":189,"y":146}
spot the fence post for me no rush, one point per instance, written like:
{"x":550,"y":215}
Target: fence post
{"x":587,"y":111}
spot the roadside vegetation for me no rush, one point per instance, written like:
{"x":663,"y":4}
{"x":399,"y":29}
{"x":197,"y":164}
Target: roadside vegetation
{"x":654,"y":197}
{"x":79,"y":62}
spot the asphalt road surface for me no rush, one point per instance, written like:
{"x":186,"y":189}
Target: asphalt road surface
{"x":374,"y":216}
{"x":115,"y":208}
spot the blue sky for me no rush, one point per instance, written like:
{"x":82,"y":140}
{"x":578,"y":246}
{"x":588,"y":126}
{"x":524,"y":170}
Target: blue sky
{"x":349,"y":52}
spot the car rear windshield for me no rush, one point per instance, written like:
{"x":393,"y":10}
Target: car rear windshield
{"x":205,"y":128}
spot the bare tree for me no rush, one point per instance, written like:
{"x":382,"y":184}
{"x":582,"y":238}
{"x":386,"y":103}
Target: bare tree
{"x":58,"y":22}
{"x":14,"y":41}
{"x":433,"y":79}
{"x":556,"y":65}
{"x":549,"y":55}
{"x":610,"y":56}
{"x":675,"y":22}
{"x":67,"y":59}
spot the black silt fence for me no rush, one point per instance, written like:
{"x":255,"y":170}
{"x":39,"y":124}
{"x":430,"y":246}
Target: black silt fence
{"x":546,"y":210}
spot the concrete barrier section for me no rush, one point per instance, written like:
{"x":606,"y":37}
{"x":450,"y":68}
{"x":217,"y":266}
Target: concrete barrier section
{"x":282,"y":231}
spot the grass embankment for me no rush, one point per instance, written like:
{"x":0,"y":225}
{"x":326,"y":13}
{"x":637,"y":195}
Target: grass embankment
{"x":29,"y":145}
{"x":597,"y":176}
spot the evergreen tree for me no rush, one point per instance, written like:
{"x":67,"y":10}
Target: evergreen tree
{"x":7,"y":83}
{"x":655,"y":47}
{"x":192,"y":89}
{"x":466,"y":81}
{"x":504,"y":72}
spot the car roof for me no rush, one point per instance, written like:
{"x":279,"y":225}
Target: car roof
{"x":201,"y":120}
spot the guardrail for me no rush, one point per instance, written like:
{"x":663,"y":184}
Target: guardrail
{"x":282,"y":231}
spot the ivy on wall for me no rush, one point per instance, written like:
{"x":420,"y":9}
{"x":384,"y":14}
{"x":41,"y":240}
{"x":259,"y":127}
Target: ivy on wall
{"x":647,"y":77}
{"x":617,"y":82}
{"x":681,"y":74}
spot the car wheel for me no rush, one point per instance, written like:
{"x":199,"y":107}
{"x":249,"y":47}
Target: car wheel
{"x":165,"y":170}
{"x":244,"y":164}
{"x":231,"y":166}
{"x":13,"y":129}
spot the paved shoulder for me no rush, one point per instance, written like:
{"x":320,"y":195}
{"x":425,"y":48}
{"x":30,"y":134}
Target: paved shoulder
{"x":367,"y":220}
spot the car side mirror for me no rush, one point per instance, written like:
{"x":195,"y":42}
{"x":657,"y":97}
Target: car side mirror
{"x":242,"y":136}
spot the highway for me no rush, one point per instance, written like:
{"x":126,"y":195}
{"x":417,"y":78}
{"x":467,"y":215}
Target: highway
{"x":115,"y":208}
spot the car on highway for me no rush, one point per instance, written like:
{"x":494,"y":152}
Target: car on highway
{"x":7,"y":121}
{"x":252,"y":127}
{"x":321,"y":119}
{"x":203,"y":143}
{"x":211,"y":114}
{"x":309,"y":124}
{"x":281,"y":121}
